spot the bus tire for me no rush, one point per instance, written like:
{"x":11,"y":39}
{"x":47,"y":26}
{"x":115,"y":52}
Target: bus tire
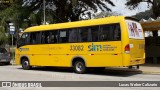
{"x":26,"y":64}
{"x":137,"y":66}
{"x":130,"y":67}
{"x":79,"y":67}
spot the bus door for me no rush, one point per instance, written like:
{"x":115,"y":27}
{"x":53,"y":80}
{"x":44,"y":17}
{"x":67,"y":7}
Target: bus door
{"x":54,"y":48}
{"x":38,"y":48}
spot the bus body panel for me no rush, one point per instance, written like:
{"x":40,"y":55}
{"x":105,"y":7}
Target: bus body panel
{"x":35,"y":53}
{"x":135,"y":40}
{"x":137,"y":51}
{"x":94,"y":54}
{"x":125,"y":41}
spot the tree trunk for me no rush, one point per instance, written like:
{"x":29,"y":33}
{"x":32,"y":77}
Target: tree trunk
{"x":155,"y":33}
{"x":156,"y":12}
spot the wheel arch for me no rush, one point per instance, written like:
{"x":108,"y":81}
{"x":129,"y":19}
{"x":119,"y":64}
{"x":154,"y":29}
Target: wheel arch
{"x":22,"y":57}
{"x":78,"y":58}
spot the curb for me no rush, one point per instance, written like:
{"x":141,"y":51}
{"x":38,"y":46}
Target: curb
{"x":150,"y":72}
{"x":13,"y":64}
{"x":139,"y":70}
{"x":143,"y":71}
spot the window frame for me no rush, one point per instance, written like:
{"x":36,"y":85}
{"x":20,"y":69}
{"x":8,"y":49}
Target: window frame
{"x":55,"y":31}
{"x":77,"y":29}
{"x":100,"y":37}
{"x":39,"y":39}
{"x":22,"y":38}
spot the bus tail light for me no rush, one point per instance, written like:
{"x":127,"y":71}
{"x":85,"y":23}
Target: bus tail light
{"x":127,"y":49}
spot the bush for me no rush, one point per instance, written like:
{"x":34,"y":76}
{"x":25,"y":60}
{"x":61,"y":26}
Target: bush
{"x":3,"y":37}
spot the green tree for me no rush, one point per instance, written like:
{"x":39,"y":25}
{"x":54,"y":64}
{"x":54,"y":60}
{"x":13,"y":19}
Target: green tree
{"x":155,"y":4}
{"x":3,"y":37}
{"x":67,"y":10}
{"x":25,"y":13}
{"x":14,"y":13}
{"x":145,"y":15}
{"x":106,"y":14}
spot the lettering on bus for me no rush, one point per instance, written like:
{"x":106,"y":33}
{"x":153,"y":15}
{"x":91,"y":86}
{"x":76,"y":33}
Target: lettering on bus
{"x":76,"y":48}
{"x":99,"y":47}
{"x":94,"y":47}
{"x":109,"y":48}
{"x":56,"y":48}
{"x":23,"y":49}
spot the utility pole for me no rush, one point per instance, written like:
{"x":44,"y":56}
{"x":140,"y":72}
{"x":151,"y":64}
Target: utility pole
{"x":44,"y":12}
{"x":12,"y":32}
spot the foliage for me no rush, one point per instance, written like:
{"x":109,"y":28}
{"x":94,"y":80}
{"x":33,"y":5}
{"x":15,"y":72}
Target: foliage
{"x":155,"y":5}
{"x":67,"y":10}
{"x":3,"y":37}
{"x":106,"y":14}
{"x":26,"y":13}
{"x":144,"y":15}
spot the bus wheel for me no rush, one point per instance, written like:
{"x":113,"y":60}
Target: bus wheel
{"x":130,"y":67}
{"x":137,"y":66}
{"x":26,"y":64}
{"x":79,"y":67}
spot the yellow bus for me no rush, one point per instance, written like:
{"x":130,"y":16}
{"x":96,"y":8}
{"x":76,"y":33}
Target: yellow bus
{"x":99,"y":43}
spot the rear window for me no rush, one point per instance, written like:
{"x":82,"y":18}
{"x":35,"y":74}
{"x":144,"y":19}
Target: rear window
{"x":3,"y":50}
{"x":134,"y":30}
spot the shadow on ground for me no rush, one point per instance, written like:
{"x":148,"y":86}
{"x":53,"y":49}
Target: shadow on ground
{"x":123,"y":72}
{"x":152,"y":65}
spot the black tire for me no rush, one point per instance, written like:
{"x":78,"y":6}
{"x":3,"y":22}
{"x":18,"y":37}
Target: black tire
{"x":130,"y":67}
{"x":7,"y":63}
{"x":26,"y":64}
{"x":79,"y":67}
{"x":138,"y":66}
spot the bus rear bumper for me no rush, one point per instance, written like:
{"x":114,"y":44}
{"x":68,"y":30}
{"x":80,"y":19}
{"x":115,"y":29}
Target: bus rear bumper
{"x":138,"y":61}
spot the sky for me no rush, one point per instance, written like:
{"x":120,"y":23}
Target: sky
{"x":122,"y":9}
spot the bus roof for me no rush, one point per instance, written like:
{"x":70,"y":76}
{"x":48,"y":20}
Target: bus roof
{"x":93,"y":22}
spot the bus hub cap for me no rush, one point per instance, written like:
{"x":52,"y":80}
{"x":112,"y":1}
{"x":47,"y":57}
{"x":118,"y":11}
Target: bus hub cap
{"x":79,"y":66}
{"x":26,"y":63}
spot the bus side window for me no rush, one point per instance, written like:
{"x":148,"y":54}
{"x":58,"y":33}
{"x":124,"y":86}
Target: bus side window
{"x":84,"y":34}
{"x":63,"y":36}
{"x":45,"y":37}
{"x":117,"y":33}
{"x":73,"y":35}
{"x":53,"y":36}
{"x":110,"y":32}
{"x":105,"y":32}
{"x":24,"y":40}
{"x":95,"y":33}
{"x":34,"y":38}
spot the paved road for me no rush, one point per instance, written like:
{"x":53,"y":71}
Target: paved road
{"x":16,"y":73}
